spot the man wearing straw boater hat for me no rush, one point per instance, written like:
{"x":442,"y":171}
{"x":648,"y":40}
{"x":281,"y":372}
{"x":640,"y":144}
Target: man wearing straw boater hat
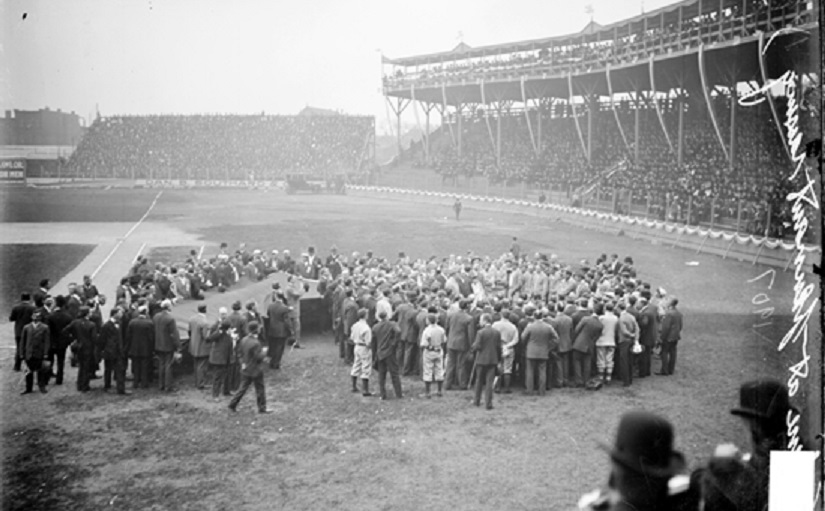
{"x":644,"y":466}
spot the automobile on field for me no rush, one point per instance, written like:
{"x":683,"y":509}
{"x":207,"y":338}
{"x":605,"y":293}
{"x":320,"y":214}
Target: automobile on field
{"x":315,"y":184}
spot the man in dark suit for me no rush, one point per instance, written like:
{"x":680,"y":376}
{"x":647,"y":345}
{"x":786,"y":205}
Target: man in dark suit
{"x":411,"y":338}
{"x":140,"y":338}
{"x":349,"y":316}
{"x":402,"y":318}
{"x":563,"y":325}
{"x":648,"y":334}
{"x":385,"y":335}
{"x":21,"y":315}
{"x":42,"y":292}
{"x":221,"y":354}
{"x":670,"y":335}
{"x":88,"y":291}
{"x":460,"y":333}
{"x":57,"y":321}
{"x":487,"y":349}
{"x":114,"y":350}
{"x":585,"y":335}
{"x":34,"y":348}
{"x":198,"y":332}
{"x":167,"y":344}
{"x":539,"y":339}
{"x":277,"y":329}
{"x":83,"y":335}
{"x":252,"y":373}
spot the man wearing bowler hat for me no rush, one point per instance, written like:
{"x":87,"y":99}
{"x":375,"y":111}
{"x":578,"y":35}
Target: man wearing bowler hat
{"x":643,"y":465}
{"x":733,"y":480}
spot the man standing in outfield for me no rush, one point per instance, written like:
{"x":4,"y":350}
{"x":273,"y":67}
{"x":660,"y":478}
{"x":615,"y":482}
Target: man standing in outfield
{"x":433,"y":338}
{"x":277,"y":330}
{"x":509,"y":340}
{"x":403,"y":313}
{"x":648,"y":334}
{"x":83,"y":335}
{"x":587,"y":331}
{"x":21,"y":315}
{"x":252,"y":373}
{"x":198,"y":348}
{"x":487,"y":349}
{"x":34,"y":348}
{"x":460,"y":333}
{"x":57,"y":321}
{"x":385,"y":335}
{"x":457,"y":208}
{"x":114,"y":352}
{"x":167,"y":344}
{"x":670,"y":335}
{"x":361,"y":337}
{"x":539,"y":339}
{"x":140,"y":337}
{"x":628,"y":335}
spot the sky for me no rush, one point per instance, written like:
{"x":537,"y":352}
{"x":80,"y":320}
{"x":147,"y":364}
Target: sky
{"x":122,"y":57}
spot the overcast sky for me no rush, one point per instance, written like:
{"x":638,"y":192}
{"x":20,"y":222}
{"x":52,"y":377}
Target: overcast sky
{"x":249,"y":56}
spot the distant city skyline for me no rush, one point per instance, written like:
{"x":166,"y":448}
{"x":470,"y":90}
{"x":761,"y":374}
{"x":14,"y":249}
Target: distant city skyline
{"x":248,"y":57}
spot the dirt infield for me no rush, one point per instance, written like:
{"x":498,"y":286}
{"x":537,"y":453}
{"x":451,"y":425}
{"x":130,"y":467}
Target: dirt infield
{"x":326,"y":448}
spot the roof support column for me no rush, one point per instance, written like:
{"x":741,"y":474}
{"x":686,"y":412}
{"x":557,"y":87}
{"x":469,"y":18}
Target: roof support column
{"x":493,"y":143}
{"x":398,"y":108}
{"x":524,"y":100}
{"x":444,"y":117}
{"x":656,"y":105}
{"x":615,"y":112}
{"x":575,"y":115}
{"x":708,"y":101}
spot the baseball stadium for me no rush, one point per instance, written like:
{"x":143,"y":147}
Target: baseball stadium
{"x":656,"y":180}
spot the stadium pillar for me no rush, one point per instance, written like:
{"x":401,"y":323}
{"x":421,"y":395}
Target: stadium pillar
{"x":733,"y":98}
{"x":708,"y":101}
{"x":636,"y":137}
{"x":680,"y":141}
{"x":738,"y":213}
{"x":398,"y":108}
{"x":498,"y":134}
{"x":615,"y":112}
{"x":459,"y":112}
{"x":591,"y":104}
{"x":690,"y":208}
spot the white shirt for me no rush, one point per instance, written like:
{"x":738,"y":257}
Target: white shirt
{"x":361,"y":334}
{"x":509,"y":335}
{"x":383,"y":305}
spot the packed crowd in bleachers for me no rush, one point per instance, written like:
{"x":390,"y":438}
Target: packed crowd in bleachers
{"x":757,"y":177}
{"x":586,"y":51}
{"x":220,"y":146}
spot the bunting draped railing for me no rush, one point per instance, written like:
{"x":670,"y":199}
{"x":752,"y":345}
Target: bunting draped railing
{"x":669,"y":227}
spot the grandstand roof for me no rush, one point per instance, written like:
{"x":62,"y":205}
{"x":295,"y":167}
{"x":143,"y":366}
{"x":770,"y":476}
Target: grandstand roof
{"x":690,"y":9}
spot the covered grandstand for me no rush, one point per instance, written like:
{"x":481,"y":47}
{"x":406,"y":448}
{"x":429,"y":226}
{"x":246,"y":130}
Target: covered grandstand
{"x":652,"y":113}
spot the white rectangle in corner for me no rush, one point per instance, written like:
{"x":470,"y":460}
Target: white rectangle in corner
{"x":792,"y":481}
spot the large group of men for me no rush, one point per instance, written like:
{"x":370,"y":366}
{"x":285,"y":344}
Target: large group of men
{"x":498,"y":322}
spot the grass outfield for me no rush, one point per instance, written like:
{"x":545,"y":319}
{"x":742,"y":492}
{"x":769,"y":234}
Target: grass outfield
{"x":325,"y":448}
{"x":73,"y":204}
{"x":23,"y":266}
